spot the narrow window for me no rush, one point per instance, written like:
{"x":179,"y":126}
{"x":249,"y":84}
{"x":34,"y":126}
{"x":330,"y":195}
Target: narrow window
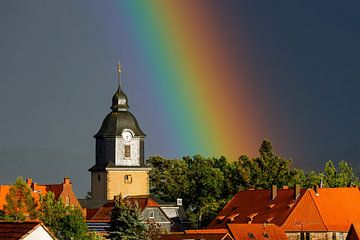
{"x":67,"y":201}
{"x":127,"y":150}
{"x":302,"y":236}
{"x":334,"y":235}
{"x":98,"y":177}
{"x":151,"y":214}
{"x":128,"y":179}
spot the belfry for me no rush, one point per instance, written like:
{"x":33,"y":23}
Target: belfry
{"x":120,"y":166}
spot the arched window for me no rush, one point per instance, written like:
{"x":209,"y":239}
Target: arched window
{"x":151,"y":214}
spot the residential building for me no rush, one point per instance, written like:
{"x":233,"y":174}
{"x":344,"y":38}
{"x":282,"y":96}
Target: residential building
{"x":203,"y":234}
{"x":25,"y":231}
{"x":354,"y":232}
{"x":61,"y":191}
{"x":319,"y":213}
{"x":98,"y":220}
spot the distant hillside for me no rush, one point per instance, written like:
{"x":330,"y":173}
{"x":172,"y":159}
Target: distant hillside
{"x":46,"y":166}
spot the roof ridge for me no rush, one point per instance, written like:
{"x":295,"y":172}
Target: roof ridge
{"x":312,"y":198}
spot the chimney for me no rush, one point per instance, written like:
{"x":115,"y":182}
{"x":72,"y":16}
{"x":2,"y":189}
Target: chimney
{"x":67,"y":180}
{"x":316,"y":190}
{"x":296,"y":191}
{"x":29,"y":181}
{"x":273,"y":192}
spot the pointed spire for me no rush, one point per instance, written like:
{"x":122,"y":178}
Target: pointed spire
{"x":118,"y":70}
{"x":119,"y":100}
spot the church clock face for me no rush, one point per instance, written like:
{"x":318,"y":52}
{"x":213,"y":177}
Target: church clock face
{"x":127,"y":135}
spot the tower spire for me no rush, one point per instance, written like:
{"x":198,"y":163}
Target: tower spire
{"x":118,"y":70}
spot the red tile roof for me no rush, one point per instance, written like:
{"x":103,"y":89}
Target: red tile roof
{"x":256,"y":231}
{"x":206,"y":234}
{"x":17,"y":230}
{"x":256,"y":206}
{"x":60,"y":190}
{"x":104,"y":212}
{"x":332,"y":209}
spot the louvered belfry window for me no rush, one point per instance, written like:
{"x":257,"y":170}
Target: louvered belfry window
{"x":127,"y":151}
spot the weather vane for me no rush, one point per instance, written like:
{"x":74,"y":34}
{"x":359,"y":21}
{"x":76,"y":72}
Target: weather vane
{"x":118,"y":70}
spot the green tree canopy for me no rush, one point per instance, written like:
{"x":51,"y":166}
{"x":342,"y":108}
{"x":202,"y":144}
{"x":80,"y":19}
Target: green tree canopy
{"x":20,"y":204}
{"x":64,"y":221}
{"x":206,"y":184}
{"x":126,"y":222}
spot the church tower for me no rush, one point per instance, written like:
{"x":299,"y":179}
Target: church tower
{"x":120,"y":166}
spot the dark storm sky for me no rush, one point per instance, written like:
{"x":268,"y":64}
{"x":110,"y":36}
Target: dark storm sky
{"x":57,"y":77}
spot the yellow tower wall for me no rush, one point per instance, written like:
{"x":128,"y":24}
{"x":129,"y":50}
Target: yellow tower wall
{"x":129,"y":181}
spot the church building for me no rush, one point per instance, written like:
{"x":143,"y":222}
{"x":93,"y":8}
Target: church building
{"x":120,"y":165}
{"x":120,"y":170}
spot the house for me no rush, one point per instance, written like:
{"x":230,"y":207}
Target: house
{"x":61,"y":191}
{"x":256,"y":231}
{"x":98,"y":220}
{"x":354,"y":232}
{"x":25,"y":231}
{"x":203,"y":234}
{"x":319,"y":213}
{"x":234,"y":231}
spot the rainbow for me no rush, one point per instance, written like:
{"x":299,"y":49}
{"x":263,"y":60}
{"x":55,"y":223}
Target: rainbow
{"x":205,"y":86}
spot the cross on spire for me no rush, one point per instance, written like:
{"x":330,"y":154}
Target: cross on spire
{"x":118,"y":70}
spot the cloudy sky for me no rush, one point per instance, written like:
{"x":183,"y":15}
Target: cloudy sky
{"x":207,"y":77}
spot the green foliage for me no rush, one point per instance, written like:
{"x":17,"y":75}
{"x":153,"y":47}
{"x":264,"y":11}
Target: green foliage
{"x":20,"y":204}
{"x":64,"y":221}
{"x":265,"y":170}
{"x":153,"y":230}
{"x":198,"y":181}
{"x":2,"y":215}
{"x":126,"y":222}
{"x":343,"y":176}
{"x":206,"y":184}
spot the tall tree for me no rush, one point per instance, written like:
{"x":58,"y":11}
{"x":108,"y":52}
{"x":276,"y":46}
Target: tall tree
{"x":330,"y":174}
{"x":126,"y":223}
{"x":20,"y":204}
{"x":64,"y":221}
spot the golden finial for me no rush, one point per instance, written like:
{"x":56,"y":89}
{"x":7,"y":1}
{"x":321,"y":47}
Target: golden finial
{"x":118,"y":70}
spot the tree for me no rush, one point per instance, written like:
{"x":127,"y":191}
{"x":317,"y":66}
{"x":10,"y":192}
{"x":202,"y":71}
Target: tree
{"x":330,"y":174}
{"x":126,"y":222}
{"x":153,"y":230}
{"x":20,"y":204}
{"x":64,"y":221}
{"x":168,"y":178}
{"x":265,"y":170}
{"x":343,"y":176}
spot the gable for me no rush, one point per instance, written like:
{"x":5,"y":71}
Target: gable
{"x":338,"y":207}
{"x":305,"y":216}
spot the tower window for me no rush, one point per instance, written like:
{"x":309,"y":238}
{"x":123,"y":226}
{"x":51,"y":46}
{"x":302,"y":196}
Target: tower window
{"x":98,"y":177}
{"x":127,"y":150}
{"x":67,"y":201}
{"x":128,"y":179}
